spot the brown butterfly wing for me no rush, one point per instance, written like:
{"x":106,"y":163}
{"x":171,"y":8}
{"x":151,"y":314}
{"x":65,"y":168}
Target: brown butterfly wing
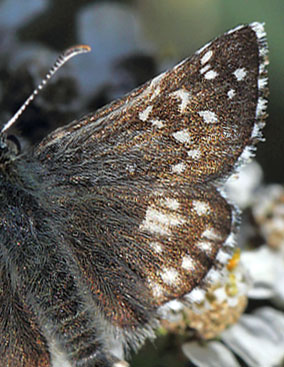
{"x":146,"y":168}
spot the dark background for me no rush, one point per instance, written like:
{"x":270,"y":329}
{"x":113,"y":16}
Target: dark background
{"x":132,"y":41}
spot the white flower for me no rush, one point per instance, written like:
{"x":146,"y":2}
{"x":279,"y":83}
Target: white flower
{"x":266,"y":263}
{"x":266,"y":268}
{"x":268,"y":212}
{"x":257,"y":338}
{"x":242,"y":186}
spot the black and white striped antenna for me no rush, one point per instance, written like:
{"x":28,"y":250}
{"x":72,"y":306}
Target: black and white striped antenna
{"x":62,"y":59}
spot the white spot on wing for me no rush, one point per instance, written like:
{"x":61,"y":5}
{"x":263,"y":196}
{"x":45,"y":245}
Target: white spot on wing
{"x":158,"y":123}
{"x":200,"y":207}
{"x":211,"y":234}
{"x":156,"y":289}
{"x":184,"y":96}
{"x":187,"y":263}
{"x":156,"y":246}
{"x":145,"y":113}
{"x":156,"y":92}
{"x":182,"y":136}
{"x":154,"y":88}
{"x":205,"y":68}
{"x":194,"y":153}
{"x":158,"y":222}
{"x":170,"y":203}
{"x":211,"y":74}
{"x":178,"y":168}
{"x":231,"y":93}
{"x":169,"y":275}
{"x":240,"y":74}
{"x":204,"y":246}
{"x":206,"y":57}
{"x":208,"y":116}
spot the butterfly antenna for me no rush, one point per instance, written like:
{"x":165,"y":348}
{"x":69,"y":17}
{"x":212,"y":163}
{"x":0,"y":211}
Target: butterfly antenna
{"x":62,"y":59}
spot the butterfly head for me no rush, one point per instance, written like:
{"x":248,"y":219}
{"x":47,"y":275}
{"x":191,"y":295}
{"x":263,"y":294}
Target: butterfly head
{"x":9,"y":145}
{"x":9,"y":149}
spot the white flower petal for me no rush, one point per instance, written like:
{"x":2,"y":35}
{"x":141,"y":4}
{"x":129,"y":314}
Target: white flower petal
{"x":256,"y":340}
{"x":274,"y":318}
{"x":279,"y":290}
{"x":241,"y":187}
{"x":214,"y":354}
{"x":265,"y":268}
{"x":260,"y":291}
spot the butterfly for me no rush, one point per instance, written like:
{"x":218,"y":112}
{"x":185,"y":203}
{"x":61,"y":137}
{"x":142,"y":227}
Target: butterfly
{"x":116,"y":214}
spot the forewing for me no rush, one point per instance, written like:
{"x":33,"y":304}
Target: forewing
{"x":189,"y":124}
{"x":141,"y":177}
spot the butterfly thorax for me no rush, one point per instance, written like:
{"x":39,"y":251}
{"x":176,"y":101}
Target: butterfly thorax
{"x":19,"y":196}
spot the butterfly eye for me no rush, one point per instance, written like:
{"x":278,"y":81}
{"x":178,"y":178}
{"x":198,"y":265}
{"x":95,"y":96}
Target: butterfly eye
{"x":14,"y":145}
